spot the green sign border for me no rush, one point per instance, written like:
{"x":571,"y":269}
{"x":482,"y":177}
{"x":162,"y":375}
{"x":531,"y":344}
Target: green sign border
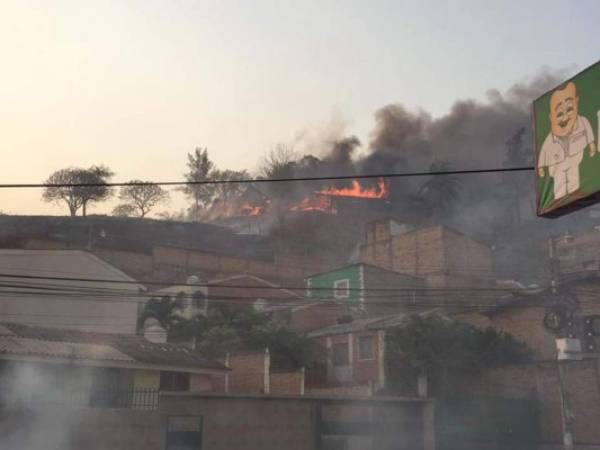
{"x":570,"y":203}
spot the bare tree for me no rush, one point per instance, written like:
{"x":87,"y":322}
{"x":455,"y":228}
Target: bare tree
{"x":142,"y":196}
{"x":78,"y":187}
{"x":278,"y":162}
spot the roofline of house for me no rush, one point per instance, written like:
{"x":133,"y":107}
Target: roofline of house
{"x":377,"y":324}
{"x":114,"y":364}
{"x":255,"y":278}
{"x":367,"y":265}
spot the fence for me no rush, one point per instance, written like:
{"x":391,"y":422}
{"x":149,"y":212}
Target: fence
{"x":140,"y":399}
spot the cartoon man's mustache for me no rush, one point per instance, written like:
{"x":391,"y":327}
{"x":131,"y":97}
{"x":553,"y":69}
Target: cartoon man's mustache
{"x":563,"y":124}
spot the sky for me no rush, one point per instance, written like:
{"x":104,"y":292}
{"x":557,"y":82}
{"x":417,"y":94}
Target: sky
{"x":135,"y":85}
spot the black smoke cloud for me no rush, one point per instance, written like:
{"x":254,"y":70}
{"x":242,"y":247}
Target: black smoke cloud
{"x":472,"y":135}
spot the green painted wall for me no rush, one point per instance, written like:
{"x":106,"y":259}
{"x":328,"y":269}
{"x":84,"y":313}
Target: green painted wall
{"x":325,"y":283}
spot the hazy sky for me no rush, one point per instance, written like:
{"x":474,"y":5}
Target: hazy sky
{"x":137,"y":84}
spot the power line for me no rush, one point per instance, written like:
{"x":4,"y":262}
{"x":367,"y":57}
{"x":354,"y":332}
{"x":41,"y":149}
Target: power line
{"x":271,"y":180}
{"x":241,"y":286}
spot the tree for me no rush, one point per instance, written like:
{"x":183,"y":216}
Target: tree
{"x":445,"y":352}
{"x":228,"y":328}
{"x":177,"y":216}
{"x":124,"y":211}
{"x":68,"y":185}
{"x":279,"y":162}
{"x":228,"y":191}
{"x":142,"y":196}
{"x":199,"y":169}
{"x":165,"y":310}
{"x":439,"y":194}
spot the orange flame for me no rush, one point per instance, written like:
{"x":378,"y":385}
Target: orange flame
{"x":357,"y":191}
{"x":249,"y":210}
{"x":315,"y":203}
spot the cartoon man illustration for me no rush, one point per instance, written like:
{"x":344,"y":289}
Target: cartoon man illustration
{"x":570,"y":134}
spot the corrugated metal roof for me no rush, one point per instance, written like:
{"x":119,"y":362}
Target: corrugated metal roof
{"x":133,"y":347}
{"x":69,"y":350}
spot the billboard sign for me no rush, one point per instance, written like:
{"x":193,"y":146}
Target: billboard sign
{"x":565,"y":123}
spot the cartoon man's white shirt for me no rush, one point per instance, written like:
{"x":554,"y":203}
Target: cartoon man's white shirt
{"x":563,"y":157}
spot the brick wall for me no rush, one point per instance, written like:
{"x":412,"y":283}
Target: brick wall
{"x":314,"y":316}
{"x":247,"y":372}
{"x":444,"y":257}
{"x":287,"y":383}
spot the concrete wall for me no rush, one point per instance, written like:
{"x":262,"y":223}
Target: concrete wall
{"x":201,"y":383}
{"x":540,"y":382}
{"x":261,"y":422}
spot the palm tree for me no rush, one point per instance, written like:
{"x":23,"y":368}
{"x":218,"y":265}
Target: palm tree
{"x":439,"y":193}
{"x":165,"y":310}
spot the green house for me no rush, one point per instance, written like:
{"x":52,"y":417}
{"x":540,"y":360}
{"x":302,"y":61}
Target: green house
{"x":356,"y":283}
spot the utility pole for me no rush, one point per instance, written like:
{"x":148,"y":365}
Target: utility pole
{"x":566,"y":412}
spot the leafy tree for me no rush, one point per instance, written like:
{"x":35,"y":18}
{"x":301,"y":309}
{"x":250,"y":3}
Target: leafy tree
{"x":199,"y":169}
{"x":445,"y":352}
{"x":179,"y":216}
{"x":124,"y":211}
{"x":227,"y":328}
{"x":141,"y":196}
{"x":78,"y":197}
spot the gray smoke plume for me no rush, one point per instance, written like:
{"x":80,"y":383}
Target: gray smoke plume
{"x":474,"y":134}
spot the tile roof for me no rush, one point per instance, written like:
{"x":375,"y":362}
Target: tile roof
{"x":33,"y":347}
{"x":136,"y":349}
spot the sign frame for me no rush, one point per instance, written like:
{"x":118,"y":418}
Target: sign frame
{"x":570,"y":203}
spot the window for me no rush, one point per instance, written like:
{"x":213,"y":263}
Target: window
{"x":174,"y":381}
{"x":365,"y":347}
{"x":341,"y":288}
{"x":340,"y":354}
